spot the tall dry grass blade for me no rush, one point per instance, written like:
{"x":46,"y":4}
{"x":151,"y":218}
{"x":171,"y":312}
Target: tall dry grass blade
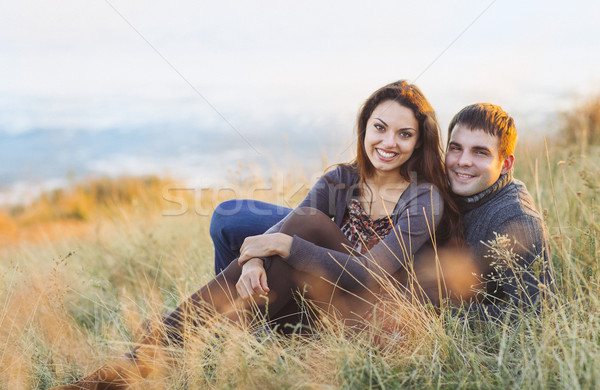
{"x":562,"y":253}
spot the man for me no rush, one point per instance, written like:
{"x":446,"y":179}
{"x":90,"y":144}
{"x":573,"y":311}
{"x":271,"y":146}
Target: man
{"x":505,"y":233}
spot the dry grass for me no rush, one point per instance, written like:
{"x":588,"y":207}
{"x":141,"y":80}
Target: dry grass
{"x":83,"y":268}
{"x":581,"y":125}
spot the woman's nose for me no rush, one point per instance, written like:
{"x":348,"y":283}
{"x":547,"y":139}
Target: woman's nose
{"x":389,"y":139}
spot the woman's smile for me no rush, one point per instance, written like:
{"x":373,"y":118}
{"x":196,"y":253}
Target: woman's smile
{"x":386,"y":155}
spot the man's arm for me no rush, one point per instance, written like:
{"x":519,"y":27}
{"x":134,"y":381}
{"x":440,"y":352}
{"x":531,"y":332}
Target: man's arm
{"x":520,"y":273}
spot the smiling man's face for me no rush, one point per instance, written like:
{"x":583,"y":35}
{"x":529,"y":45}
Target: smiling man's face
{"x":473,"y":162}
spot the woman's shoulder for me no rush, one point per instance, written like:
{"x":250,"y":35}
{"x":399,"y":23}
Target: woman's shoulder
{"x":342,"y":174}
{"x":424,"y":186}
{"x":420,"y":196}
{"x":422,"y":190}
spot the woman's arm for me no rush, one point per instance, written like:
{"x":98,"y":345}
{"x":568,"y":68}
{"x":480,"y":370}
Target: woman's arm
{"x":322,"y":197}
{"x":259,"y":249}
{"x":253,"y":280}
{"x":414,"y":227}
{"x":265,"y":245}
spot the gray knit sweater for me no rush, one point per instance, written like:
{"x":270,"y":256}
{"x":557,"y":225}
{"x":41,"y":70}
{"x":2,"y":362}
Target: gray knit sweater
{"x":506,"y":209}
{"x":418,"y":210}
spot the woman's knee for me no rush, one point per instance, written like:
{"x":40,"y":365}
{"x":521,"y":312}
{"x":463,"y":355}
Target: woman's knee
{"x":310,"y":214}
{"x":236,"y":219}
{"x":308,"y":223}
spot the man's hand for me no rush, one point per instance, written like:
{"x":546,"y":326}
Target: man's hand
{"x":253,"y":280}
{"x":265,"y":245}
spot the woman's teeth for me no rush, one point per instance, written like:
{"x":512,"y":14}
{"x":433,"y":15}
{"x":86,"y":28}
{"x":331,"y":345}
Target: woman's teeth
{"x":385,"y":154}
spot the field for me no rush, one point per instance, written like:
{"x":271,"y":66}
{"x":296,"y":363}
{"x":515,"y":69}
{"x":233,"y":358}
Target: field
{"x":82,"y":268}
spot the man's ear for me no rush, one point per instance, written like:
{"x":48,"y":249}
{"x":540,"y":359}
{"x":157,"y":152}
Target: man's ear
{"x":507,"y":163}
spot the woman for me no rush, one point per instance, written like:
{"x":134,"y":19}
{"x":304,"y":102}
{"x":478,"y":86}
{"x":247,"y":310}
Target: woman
{"x":360,"y":222}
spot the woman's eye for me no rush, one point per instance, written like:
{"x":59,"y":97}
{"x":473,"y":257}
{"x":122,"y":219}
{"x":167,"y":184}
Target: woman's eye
{"x":405,"y":134}
{"x":379,"y":127}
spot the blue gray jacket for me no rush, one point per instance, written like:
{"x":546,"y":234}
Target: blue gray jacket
{"x":509,"y":239}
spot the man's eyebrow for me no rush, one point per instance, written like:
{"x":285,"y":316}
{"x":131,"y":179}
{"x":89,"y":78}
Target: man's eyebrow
{"x":482,"y":148}
{"x":476,"y":147}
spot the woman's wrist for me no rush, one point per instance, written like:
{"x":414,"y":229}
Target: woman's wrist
{"x":254,"y":262}
{"x":284,"y":244}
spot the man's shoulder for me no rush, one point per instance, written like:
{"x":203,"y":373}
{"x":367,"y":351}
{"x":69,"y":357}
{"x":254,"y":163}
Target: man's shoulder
{"x":511,"y":212}
{"x":512,"y":202}
{"x":511,"y":207}
{"x":519,"y":201}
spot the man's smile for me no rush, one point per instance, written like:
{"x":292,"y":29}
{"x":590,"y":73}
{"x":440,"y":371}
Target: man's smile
{"x":463,"y":175}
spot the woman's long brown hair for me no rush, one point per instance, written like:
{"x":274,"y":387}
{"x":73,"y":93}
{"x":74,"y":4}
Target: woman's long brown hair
{"x":426,"y":161}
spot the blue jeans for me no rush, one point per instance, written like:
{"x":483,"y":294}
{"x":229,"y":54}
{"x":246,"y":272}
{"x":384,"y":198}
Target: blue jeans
{"x":236,"y":219}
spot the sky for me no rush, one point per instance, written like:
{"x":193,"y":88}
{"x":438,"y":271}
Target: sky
{"x":251,"y":75}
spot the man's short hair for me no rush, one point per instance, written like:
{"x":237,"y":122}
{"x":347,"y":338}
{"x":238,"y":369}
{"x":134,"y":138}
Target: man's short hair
{"x":493,"y":120}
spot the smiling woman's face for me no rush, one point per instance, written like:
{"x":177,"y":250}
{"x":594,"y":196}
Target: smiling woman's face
{"x":391,"y":137}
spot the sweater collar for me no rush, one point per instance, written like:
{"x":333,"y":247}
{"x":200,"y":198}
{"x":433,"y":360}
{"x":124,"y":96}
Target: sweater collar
{"x":466,"y":203}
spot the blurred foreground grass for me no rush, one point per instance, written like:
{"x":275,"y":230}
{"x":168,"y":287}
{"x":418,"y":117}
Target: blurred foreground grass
{"x":82,"y":268}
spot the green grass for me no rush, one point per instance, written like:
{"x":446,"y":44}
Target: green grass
{"x":73,"y":302}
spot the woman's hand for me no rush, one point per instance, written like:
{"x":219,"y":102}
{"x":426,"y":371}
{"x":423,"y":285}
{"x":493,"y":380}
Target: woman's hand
{"x":253,"y":280}
{"x":265,"y":245}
